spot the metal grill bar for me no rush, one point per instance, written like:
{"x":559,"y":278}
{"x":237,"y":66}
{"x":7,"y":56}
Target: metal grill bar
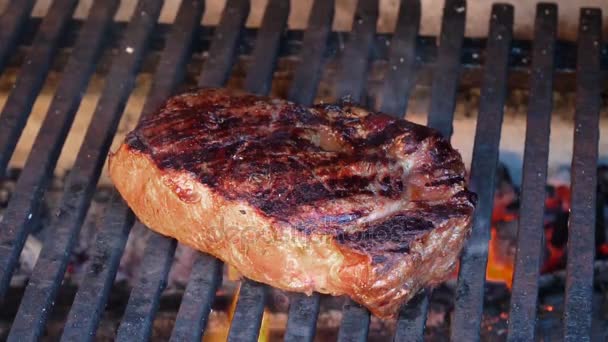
{"x":137,"y":321}
{"x":354,"y":62}
{"x":401,"y":74}
{"x":32,"y":183}
{"x":205,"y":277}
{"x":245,"y":325}
{"x":352,"y":78}
{"x":471,"y":278}
{"x":12,"y":21}
{"x":351,"y":83}
{"x":82,"y":180}
{"x":355,"y":323}
{"x":581,"y":228}
{"x":259,"y":77}
{"x":171,"y":69}
{"x":31,"y":78}
{"x":399,"y":80}
{"x":247,"y":319}
{"x":93,"y":293}
{"x":303,"y":310}
{"x":222,"y":51}
{"x":206,"y":274}
{"x":314,"y":45}
{"x":12,"y":121}
{"x":447,"y":68}
{"x":158,"y":255}
{"x":412,"y":319}
{"x":522,"y":315}
{"x":302,"y":319}
{"x":50,"y":267}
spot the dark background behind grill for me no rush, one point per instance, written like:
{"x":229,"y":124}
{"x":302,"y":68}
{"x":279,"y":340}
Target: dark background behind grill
{"x":40,"y":41}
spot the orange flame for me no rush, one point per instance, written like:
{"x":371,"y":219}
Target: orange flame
{"x":498,"y":269}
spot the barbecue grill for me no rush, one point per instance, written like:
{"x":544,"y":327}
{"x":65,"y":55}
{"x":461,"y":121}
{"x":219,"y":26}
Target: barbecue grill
{"x":407,"y":54}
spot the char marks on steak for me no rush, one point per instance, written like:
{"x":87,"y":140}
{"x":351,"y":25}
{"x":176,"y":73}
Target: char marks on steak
{"x":383,"y":196}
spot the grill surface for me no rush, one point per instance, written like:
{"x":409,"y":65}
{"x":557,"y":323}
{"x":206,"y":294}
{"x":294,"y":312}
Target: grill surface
{"x":403,"y":65}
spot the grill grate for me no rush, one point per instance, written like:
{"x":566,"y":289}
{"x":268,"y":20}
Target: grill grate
{"x":579,"y":280}
{"x":11,"y":24}
{"x":404,"y":56}
{"x":536,"y":155}
{"x":471,"y":279}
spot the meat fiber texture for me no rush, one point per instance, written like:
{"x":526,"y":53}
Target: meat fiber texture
{"x":333,"y":198}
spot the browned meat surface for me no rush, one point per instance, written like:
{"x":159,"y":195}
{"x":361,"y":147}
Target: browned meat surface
{"x":333,"y":198}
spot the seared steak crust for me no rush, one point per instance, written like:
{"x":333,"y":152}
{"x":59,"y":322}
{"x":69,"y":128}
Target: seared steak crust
{"x":373,"y":189}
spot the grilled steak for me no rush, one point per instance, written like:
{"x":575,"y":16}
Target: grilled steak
{"x":333,"y":198}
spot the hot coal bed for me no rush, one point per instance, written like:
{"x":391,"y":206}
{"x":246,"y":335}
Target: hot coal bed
{"x":78,"y":265}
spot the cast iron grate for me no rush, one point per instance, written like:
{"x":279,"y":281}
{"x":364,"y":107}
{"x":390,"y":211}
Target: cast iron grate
{"x":403,"y":62}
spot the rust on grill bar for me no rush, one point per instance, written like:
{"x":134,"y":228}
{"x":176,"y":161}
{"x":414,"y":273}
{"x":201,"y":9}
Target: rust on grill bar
{"x":530,"y":235}
{"x":581,"y":237}
{"x":471,"y":278}
{"x":408,"y":59}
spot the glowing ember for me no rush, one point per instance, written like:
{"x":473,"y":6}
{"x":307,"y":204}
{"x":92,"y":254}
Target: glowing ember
{"x":501,"y":253}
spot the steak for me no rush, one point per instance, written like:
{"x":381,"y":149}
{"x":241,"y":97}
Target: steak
{"x":333,"y":198}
